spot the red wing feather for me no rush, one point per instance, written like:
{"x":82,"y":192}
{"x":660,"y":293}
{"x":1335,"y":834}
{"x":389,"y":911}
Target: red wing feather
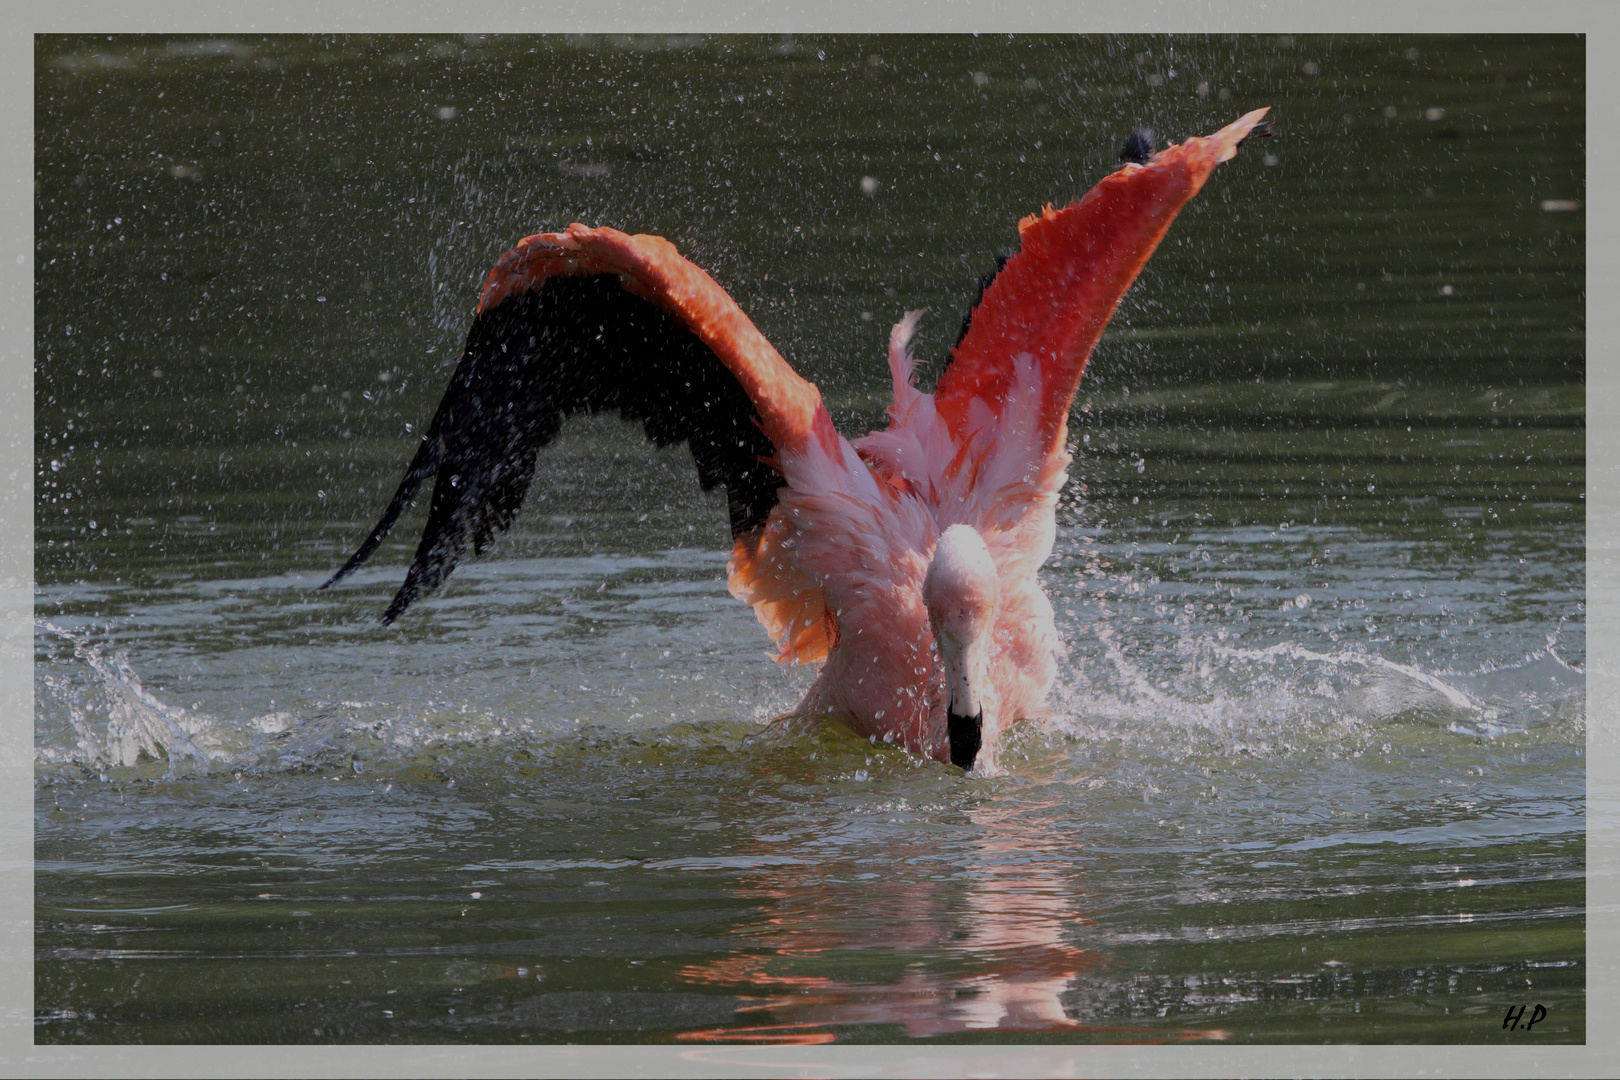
{"x":1054,"y":297}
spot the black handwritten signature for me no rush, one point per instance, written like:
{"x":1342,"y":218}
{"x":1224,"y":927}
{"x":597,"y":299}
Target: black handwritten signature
{"x":1511,"y":1021}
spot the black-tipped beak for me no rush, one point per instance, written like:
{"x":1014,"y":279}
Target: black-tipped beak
{"x":967,"y":735}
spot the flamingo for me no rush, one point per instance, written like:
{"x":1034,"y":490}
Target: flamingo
{"x":904,"y":562}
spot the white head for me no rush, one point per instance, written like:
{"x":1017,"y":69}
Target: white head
{"x":961,"y":592}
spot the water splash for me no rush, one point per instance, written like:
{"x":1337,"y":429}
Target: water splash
{"x":1204,"y":692}
{"x":548,"y":654}
{"x":136,"y":726}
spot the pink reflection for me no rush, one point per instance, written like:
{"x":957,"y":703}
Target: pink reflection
{"x":990,"y":951}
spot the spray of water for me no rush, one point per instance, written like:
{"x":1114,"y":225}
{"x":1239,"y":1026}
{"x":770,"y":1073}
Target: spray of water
{"x":131,"y":725}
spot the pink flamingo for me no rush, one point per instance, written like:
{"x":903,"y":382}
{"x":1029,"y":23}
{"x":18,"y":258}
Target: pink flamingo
{"x":905,"y":561}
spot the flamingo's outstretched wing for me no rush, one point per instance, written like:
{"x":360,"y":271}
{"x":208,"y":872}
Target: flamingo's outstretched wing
{"x":987,"y":446}
{"x":594,"y":320}
{"x":1046,"y":308}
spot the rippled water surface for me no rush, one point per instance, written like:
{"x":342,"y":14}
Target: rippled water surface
{"x":1315,"y":764}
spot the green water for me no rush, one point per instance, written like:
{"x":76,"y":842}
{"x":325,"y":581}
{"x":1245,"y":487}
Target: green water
{"x":547,"y":806}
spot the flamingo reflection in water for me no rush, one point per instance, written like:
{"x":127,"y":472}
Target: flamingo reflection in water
{"x":995,"y":955}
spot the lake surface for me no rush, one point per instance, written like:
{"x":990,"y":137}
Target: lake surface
{"x":1316,"y":769}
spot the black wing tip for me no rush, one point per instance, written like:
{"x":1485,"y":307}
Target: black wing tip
{"x":1139,"y":147}
{"x":578,"y":344}
{"x":423,"y":463}
{"x":346,"y":569}
{"x":1262,"y":130}
{"x":986,"y":279}
{"x":1142,"y":144}
{"x":407,"y":593}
